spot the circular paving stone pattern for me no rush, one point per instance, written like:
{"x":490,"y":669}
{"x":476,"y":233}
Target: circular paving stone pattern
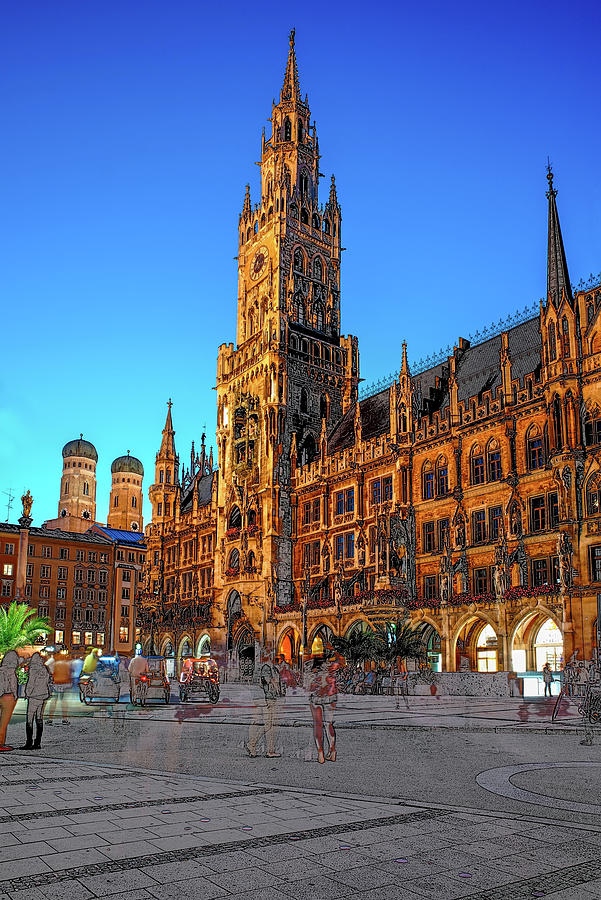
{"x":498,"y":781}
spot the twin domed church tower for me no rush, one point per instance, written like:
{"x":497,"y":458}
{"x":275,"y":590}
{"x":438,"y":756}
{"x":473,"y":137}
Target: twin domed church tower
{"x":77,"y":501}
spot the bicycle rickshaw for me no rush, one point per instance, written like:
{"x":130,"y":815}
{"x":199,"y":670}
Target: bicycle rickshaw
{"x":152,"y":684}
{"x":199,"y":676}
{"x":103,"y":683}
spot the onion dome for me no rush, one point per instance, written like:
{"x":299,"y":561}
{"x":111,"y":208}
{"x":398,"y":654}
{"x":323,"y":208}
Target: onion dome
{"x":127,"y":464}
{"x":81,"y":448}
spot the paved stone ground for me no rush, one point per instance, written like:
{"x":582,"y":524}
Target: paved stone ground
{"x":77,"y":831}
{"x":464,"y":713}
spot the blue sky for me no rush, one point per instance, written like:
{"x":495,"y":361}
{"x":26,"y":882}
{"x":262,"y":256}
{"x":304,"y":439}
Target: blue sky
{"x":130,"y":130}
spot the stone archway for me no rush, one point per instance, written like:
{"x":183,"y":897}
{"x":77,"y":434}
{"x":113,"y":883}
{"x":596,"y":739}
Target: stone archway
{"x":203,"y":647}
{"x":168,"y":651}
{"x":319,"y":640}
{"x":244,"y":642}
{"x":288,"y":645}
{"x":433,"y":644}
{"x":476,"y":645}
{"x":536,"y":637}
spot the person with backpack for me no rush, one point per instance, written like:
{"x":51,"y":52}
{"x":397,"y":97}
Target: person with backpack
{"x":9,"y":691}
{"x":37,"y":691}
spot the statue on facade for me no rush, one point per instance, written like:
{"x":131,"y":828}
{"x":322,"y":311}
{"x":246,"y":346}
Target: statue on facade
{"x":460,"y":532}
{"x":564,"y":553}
{"x":27,"y":501}
{"x":515,"y":520}
{"x":501,"y":570}
{"x":445,"y":577}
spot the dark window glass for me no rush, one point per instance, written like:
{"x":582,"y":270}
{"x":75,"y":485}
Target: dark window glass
{"x":538,"y":517}
{"x":428,"y":485}
{"x":339,"y":503}
{"x":553,"y":510}
{"x":429,"y":587}
{"x":443,"y":533}
{"x":478,"y":469}
{"x":595,"y":563}
{"x":479,"y":526}
{"x":339,"y":546}
{"x":442,"y":486}
{"x":387,"y":487}
{"x":480,"y":581}
{"x":376,"y":493}
{"x":495,"y":522}
{"x":539,"y":572}
{"x":316,"y":510}
{"x":350,"y":545}
{"x":535,"y":453}
{"x":494,"y":466}
{"x":350,"y":500}
{"x":429,"y":544}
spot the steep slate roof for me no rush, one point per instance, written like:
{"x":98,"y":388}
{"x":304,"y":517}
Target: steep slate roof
{"x":204,"y":486}
{"x":478,"y":369}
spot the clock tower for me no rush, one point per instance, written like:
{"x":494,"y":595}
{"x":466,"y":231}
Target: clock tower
{"x":291,"y":373}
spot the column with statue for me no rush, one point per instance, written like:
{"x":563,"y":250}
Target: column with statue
{"x":25,"y":523}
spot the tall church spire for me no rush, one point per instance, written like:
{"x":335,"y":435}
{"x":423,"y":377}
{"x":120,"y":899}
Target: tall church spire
{"x":291,"y":87}
{"x":167,"y":450}
{"x":558,"y":279}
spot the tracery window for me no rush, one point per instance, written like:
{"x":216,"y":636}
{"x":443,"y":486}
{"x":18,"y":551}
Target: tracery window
{"x":317,"y":269}
{"x":234,"y":560}
{"x":427,"y":481}
{"x":316,"y":222}
{"x":477,"y":465}
{"x":326,"y":226}
{"x":565,"y":337}
{"x":301,"y":313}
{"x":494,"y":461}
{"x":593,"y":495}
{"x":442,"y":477}
{"x":304,"y":216}
{"x":287,"y":129}
{"x":535,"y":456}
{"x":299,"y":260}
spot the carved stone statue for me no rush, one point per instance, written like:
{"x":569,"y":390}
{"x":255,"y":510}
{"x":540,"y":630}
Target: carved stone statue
{"x":515,"y":520}
{"x":27,"y":501}
{"x":565,"y":553}
{"x":445,"y":575}
{"x":501,"y":569}
{"x":460,"y":532}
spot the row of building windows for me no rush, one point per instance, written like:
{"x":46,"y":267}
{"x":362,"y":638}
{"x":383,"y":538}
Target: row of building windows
{"x":88,"y":638}
{"x":9,"y":549}
{"x":344,"y":501}
{"x":63,"y":553}
{"x":63,"y":574}
{"x":61,"y":593}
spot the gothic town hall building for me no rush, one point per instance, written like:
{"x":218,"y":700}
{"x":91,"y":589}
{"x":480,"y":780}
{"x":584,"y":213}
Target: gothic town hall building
{"x":466,"y":496}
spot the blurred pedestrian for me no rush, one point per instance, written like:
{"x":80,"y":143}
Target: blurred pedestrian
{"x":322,"y":700}
{"x":138,"y":666}
{"x":9,"y":691}
{"x":37,"y":691}
{"x":269,"y":692}
{"x":90,"y":663}
{"x":62,"y":682}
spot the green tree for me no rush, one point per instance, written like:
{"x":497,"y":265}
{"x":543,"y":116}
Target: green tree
{"x":20,"y":625}
{"x":403,"y":641}
{"x":360,"y":646}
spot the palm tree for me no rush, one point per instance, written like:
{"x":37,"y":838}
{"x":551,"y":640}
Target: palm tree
{"x":360,"y":646}
{"x":20,"y":626}
{"x":404,"y":642}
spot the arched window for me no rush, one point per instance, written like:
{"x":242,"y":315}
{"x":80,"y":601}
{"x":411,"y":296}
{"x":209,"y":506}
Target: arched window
{"x":316,"y":222}
{"x":593,"y":495}
{"x":263,"y":220}
{"x":317,"y":269}
{"x":493,"y":461}
{"x":478,"y":472}
{"x":248,"y":234}
{"x":565,"y":337}
{"x":323,"y":407}
{"x":299,"y":131}
{"x":293,"y":342}
{"x":427,"y":481}
{"x":116,"y":501}
{"x":294,"y":210}
{"x":326,"y":354}
{"x":66,"y":488}
{"x":326,"y":226}
{"x":442,"y":477}
{"x":235,"y":518}
{"x":299,"y":260}
{"x":256,"y":228}
{"x":86,"y":489}
{"x":251,"y":563}
{"x":535,"y":457}
{"x":251,"y":517}
{"x":304,"y":184}
{"x":270,"y":213}
{"x":552,"y":341}
{"x":134,"y":502}
{"x":301,"y":313}
{"x":233,"y":562}
{"x":303,"y":400}
{"x":287,"y":129}
{"x":304,"y":216}
{"x":168,"y":476}
{"x":319,"y":317}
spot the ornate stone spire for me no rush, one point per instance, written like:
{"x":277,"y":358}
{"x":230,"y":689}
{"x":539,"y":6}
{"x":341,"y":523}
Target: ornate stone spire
{"x":246,"y":209}
{"x":291,"y":87}
{"x":404,"y":363}
{"x":333,"y":199}
{"x":558,"y":279}
{"x":167,"y":450}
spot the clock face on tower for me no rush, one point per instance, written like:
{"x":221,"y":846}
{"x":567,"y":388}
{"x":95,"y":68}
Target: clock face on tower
{"x":258,"y":265}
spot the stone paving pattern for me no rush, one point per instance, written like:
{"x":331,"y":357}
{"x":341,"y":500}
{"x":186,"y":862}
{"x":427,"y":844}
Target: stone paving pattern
{"x":76,"y":831}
